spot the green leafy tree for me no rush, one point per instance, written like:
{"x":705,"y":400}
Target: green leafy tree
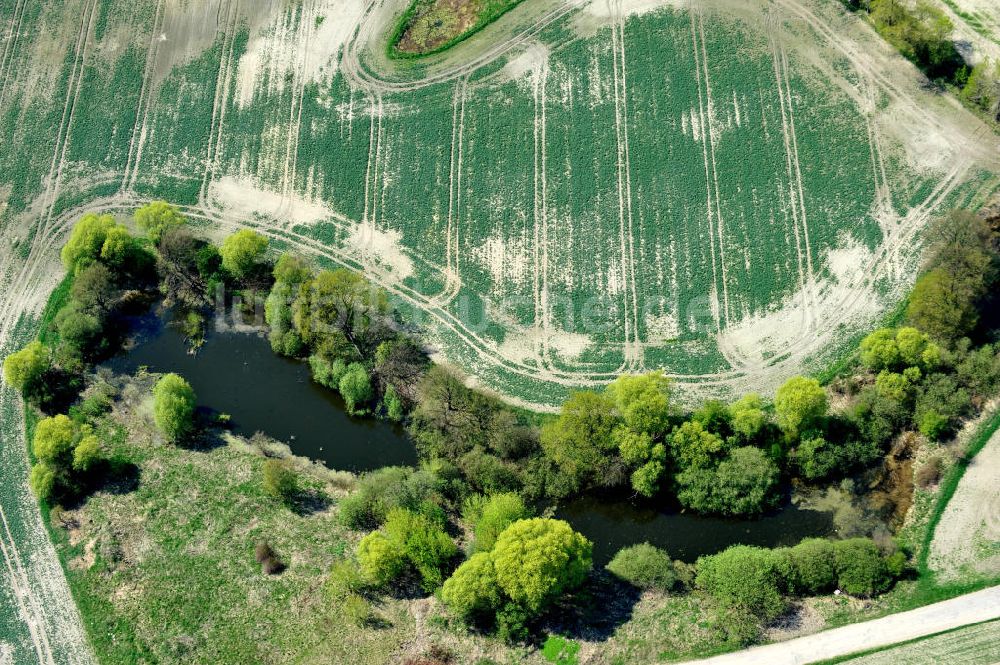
{"x":580,"y":441}
{"x":747,"y":417}
{"x":879,"y":350}
{"x":86,"y":240}
{"x":23,"y":369}
{"x":173,"y":407}
{"x":744,"y":483}
{"x":242,"y":251}
{"x":119,"y":248}
{"x":498,"y":513}
{"x":43,"y":481}
{"x":644,"y":566}
{"x":693,"y":446}
{"x":340,"y":308}
{"x":812,"y":567}
{"x":642,"y":401}
{"x":356,"y":387}
{"x":158,"y":217}
{"x":393,"y":404}
{"x":861,"y":568}
{"x":538,"y":559}
{"x":87,"y":453}
{"x":55,"y":440}
{"x":80,"y":333}
{"x":93,"y":290}
{"x":424,"y":544}
{"x":799,"y":404}
{"x":746,"y":579}
{"x":472,"y":591}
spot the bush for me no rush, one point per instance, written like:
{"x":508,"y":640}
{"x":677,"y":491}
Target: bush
{"x":345,"y":579}
{"x":645,"y":567}
{"x":744,"y":483}
{"x":280,"y":481}
{"x":861,"y":569}
{"x":930,"y":473}
{"x":358,"y":610}
{"x":380,"y":491}
{"x":173,"y":407}
{"x":380,"y":559}
{"x":268,"y":559}
{"x":745,"y":579}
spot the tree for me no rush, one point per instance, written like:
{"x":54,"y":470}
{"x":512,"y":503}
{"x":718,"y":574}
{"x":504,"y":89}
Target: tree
{"x":861,"y":568}
{"x":79,"y":332}
{"x":879,"y":350}
{"x":799,"y":404}
{"x":55,"y":439}
{"x":645,"y":567}
{"x":943,"y":305}
{"x":742,"y":484}
{"x":747,"y":417}
{"x":423,"y":542}
{"x":691,"y":445}
{"x":87,"y":453}
{"x":744,"y":578}
{"x":356,"y":387}
{"x":43,"y":481}
{"x":241,"y":252}
{"x":158,"y":217}
{"x":118,"y":249}
{"x":173,"y":407}
{"x":341,"y":308}
{"x":580,"y":441}
{"x":381,"y":560}
{"x":642,"y":401}
{"x":498,"y":513}
{"x":94,"y":290}
{"x":178,"y":267}
{"x":393,"y":404}
{"x":22,"y":369}
{"x":812,"y":568}
{"x":538,"y":559}
{"x":86,"y":240}
{"x":472,"y":591}
{"x":982,"y":89}
{"x":291,"y":269}
{"x":280,"y":481}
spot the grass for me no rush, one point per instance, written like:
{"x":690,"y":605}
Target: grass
{"x":982,"y":637}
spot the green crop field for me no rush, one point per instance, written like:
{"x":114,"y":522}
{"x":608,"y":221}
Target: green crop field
{"x":729,"y":193}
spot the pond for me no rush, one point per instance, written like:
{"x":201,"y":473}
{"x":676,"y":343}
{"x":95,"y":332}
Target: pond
{"x":615,"y":523}
{"x":238,"y":374}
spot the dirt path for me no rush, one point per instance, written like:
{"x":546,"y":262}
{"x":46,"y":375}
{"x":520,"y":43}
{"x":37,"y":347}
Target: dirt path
{"x":962,"y":611}
{"x":968,"y":537}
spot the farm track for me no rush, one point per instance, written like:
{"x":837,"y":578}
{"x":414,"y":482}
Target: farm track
{"x":223,"y":81}
{"x":139,"y":129}
{"x":10,"y":48}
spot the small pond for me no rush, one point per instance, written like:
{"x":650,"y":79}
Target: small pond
{"x":238,"y":374}
{"x":615,"y":523}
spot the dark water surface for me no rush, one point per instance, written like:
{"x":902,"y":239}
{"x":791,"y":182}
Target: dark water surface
{"x":237,"y":373}
{"x":615,"y":523}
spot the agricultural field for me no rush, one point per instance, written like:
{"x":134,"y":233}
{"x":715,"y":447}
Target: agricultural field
{"x":729,"y":193}
{"x":974,"y":645}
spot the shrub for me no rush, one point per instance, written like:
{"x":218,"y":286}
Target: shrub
{"x":380,"y":491}
{"x":173,"y":407}
{"x":930,"y":472}
{"x":357,"y":609}
{"x":380,"y":559}
{"x":345,"y":578}
{"x":861,"y":569}
{"x":644,"y":566}
{"x":280,"y":481}
{"x":268,"y":559}
{"x":742,"y":484}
